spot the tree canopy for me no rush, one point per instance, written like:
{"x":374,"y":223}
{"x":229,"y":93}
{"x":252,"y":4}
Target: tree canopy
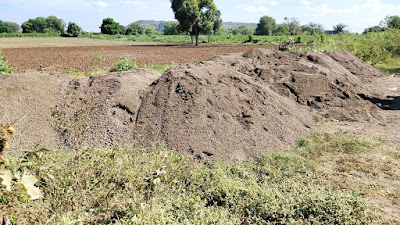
{"x":172,"y":28}
{"x":339,"y":28}
{"x":109,"y":26}
{"x":266,"y":26}
{"x":51,"y":24}
{"x":196,"y":16}
{"x":135,"y":29}
{"x":73,"y":30}
{"x":8,"y":27}
{"x":391,"y":22}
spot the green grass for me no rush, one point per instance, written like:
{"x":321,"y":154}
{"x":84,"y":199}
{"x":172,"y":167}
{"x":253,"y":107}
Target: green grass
{"x":134,"y":186}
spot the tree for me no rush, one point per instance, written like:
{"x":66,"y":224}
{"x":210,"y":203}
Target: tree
{"x":195,"y":16}
{"x":242,"y":30}
{"x":134,"y":29}
{"x":283,"y":29}
{"x":373,"y":29}
{"x":313,"y":28}
{"x":217,"y":22}
{"x":391,"y":22}
{"x":172,"y":28}
{"x":339,"y":28}
{"x":73,"y":30}
{"x":122,"y":29}
{"x":8,"y":27}
{"x":266,"y":26}
{"x":55,"y":25}
{"x":294,"y":25}
{"x":109,"y":26}
{"x":37,"y":25}
{"x":150,"y":30}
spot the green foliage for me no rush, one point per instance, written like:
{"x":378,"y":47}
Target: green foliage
{"x":125,"y":64}
{"x":196,"y":16}
{"x":242,"y":30}
{"x":109,"y":26}
{"x":135,"y":29}
{"x":339,"y":28}
{"x":391,"y":22}
{"x":73,"y":30}
{"x":50,"y":24}
{"x":150,"y":31}
{"x":5,"y":66}
{"x":133,"y":186}
{"x":266,"y":26}
{"x":8,"y":27}
{"x":373,"y":29}
{"x":172,"y":28}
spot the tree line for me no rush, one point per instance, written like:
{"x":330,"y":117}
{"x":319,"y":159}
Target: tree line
{"x":194,"y":17}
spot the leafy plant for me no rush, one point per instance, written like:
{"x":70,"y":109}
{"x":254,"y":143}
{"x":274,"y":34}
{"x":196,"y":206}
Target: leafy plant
{"x":5,"y":66}
{"x":124,"y":64}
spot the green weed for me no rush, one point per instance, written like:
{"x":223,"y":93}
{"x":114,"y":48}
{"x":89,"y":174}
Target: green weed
{"x":161,"y":68}
{"x":124,"y":64}
{"x":5,"y":66}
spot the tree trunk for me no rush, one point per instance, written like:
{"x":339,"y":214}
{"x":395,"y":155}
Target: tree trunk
{"x":197,"y":39}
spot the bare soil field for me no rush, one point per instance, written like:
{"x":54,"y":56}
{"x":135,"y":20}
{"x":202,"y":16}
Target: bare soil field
{"x":102,"y":57}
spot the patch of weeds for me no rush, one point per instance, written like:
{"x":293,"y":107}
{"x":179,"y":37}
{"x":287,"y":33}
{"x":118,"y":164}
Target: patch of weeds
{"x":124,"y":64}
{"x":99,"y":57}
{"x":161,"y":68}
{"x":5,"y":66}
{"x":317,"y":144}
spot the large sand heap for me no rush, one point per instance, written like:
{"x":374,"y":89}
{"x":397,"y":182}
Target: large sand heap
{"x":235,"y":106}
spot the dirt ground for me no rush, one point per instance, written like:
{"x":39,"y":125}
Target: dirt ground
{"x":88,"y":58}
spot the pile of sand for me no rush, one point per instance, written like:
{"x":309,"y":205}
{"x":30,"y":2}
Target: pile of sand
{"x":235,"y":106}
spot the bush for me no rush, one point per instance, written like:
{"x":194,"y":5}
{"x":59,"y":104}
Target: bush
{"x":5,"y":66}
{"x":73,"y":30}
{"x":125,"y":64}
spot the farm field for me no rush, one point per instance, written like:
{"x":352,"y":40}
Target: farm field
{"x":80,"y":55}
{"x":256,"y":136}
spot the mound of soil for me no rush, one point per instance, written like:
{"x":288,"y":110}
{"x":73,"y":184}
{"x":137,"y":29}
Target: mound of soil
{"x":235,"y":106}
{"x":331,"y":85}
{"x":58,"y":111}
{"x":209,"y":110}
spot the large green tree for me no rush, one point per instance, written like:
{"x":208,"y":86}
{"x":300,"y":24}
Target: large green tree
{"x":135,"y":29}
{"x":391,"y":22}
{"x":55,"y":25}
{"x":109,"y":26}
{"x":266,"y":26}
{"x":8,"y":27}
{"x":73,"y":30}
{"x":195,"y":16}
{"x":171,"y":28}
{"x":339,"y":28}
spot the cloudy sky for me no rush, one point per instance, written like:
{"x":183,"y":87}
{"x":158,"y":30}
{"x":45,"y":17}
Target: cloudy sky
{"x":357,"y":14}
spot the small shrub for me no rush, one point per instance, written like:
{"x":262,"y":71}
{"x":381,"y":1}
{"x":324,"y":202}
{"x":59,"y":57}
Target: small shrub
{"x":125,"y":64}
{"x":5,"y":66}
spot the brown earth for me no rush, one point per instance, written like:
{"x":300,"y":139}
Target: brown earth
{"x":235,"y":106}
{"x":87,"y":58}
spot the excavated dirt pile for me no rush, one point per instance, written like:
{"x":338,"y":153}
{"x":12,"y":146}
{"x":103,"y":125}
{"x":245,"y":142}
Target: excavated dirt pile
{"x":235,"y":106}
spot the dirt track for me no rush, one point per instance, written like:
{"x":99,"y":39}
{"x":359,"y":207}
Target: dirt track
{"x":86,"y":58}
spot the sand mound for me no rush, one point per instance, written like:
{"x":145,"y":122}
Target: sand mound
{"x":209,"y":110}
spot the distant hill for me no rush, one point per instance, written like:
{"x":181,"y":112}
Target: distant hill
{"x":159,"y":25}
{"x":234,"y":25}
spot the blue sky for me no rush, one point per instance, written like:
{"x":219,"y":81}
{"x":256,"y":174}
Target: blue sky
{"x":357,"y":14}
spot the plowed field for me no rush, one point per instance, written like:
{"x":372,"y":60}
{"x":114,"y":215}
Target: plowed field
{"x":86,"y":58}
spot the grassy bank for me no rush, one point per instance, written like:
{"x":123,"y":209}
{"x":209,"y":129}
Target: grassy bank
{"x":130,"y":185}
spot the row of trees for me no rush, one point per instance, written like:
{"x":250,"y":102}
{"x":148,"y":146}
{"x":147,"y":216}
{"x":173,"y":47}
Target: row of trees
{"x":390,"y":22}
{"x":109,"y":26}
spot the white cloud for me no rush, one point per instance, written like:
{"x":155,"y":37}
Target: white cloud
{"x":304,"y":2}
{"x":101,"y":4}
{"x":273,"y":3}
{"x":254,"y":9}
